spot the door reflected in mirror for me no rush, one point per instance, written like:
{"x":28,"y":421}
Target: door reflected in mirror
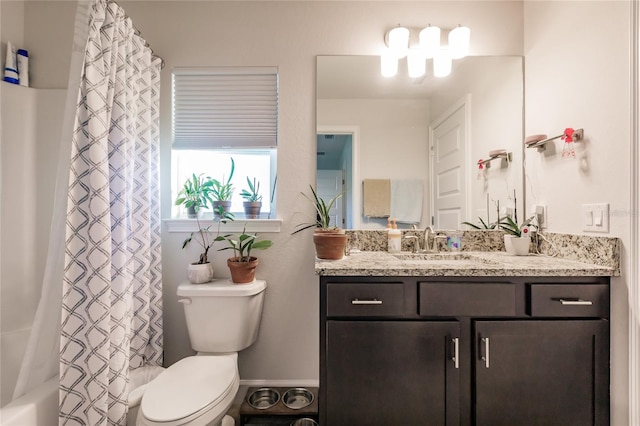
{"x":424,"y":135}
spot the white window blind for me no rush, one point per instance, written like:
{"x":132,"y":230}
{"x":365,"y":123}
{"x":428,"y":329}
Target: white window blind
{"x":225,"y":107}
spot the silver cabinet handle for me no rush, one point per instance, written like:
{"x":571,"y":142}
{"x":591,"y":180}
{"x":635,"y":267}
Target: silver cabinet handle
{"x":366,"y":302}
{"x":575,"y":302}
{"x":484,"y":351}
{"x":456,"y":352}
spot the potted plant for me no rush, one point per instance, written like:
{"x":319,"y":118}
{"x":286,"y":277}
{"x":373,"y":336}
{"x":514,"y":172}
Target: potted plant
{"x":329,"y":241}
{"x":242,"y":265}
{"x":517,"y":239}
{"x":195,"y":194}
{"x":252,"y":200}
{"x":202,"y":271}
{"x":221,"y":192}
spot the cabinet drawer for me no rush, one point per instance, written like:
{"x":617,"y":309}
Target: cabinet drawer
{"x":365,"y":300}
{"x":464,"y":299}
{"x":569,"y":300}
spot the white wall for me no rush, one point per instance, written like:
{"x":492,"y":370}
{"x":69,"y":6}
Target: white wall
{"x":30,"y":139}
{"x":393,"y":141}
{"x":577,"y":75}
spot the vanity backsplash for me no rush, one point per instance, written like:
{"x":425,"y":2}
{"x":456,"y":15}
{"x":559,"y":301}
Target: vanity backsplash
{"x":604,"y":251}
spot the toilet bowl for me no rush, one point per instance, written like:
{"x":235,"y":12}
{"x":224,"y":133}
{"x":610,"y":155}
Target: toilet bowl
{"x":222,"y":319}
{"x":195,"y":391}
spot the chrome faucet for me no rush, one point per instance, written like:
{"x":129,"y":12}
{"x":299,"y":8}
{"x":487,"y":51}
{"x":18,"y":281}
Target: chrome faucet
{"x":428,"y":232}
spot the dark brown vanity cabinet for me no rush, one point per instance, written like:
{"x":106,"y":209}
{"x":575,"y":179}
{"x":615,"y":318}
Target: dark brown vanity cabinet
{"x":464,"y":351}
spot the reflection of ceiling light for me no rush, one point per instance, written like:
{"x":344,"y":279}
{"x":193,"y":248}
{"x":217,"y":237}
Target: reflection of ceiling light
{"x":388,"y":64}
{"x":416,"y":63}
{"x":429,"y":47}
{"x":442,"y":63}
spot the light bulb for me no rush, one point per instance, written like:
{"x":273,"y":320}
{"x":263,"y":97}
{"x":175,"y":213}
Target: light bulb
{"x":416,"y":63}
{"x":442,"y":63}
{"x":388,"y":64}
{"x":459,"y":42}
{"x":430,"y":41}
{"x":399,"y":41}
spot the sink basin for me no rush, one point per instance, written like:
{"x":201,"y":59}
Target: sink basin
{"x":435,"y":256}
{"x":445,"y":258}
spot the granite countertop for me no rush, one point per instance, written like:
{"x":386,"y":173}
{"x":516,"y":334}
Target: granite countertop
{"x":466,"y":263}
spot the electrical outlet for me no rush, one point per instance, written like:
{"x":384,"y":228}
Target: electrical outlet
{"x":540,"y":211}
{"x":595,"y":217}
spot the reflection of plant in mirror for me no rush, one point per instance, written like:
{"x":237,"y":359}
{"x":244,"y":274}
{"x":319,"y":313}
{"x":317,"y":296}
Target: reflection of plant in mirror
{"x":483,"y":224}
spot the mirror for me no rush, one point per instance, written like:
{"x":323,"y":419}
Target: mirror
{"x":423,"y":136}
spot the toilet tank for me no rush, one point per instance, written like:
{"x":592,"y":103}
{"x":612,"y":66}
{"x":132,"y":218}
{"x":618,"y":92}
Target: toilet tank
{"x":222,"y":316}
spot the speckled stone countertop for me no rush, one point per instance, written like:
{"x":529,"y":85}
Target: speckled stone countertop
{"x":466,"y":263}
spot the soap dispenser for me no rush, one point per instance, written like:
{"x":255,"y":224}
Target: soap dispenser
{"x":394,"y":238}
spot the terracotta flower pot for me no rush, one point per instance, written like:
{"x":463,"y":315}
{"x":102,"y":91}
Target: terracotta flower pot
{"x":329,"y":243}
{"x":226,"y":206}
{"x":199,"y":273}
{"x":242,"y":272}
{"x":252,"y":209}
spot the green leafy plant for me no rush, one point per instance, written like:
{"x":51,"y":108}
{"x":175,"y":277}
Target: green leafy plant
{"x":223,"y":190}
{"x":195,"y":193}
{"x":243,"y":245}
{"x":511,"y":227}
{"x":202,"y":235}
{"x":323,"y":208}
{"x":483,"y":224}
{"x":251,"y":195}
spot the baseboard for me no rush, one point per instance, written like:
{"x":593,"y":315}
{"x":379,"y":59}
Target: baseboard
{"x":281,"y":383}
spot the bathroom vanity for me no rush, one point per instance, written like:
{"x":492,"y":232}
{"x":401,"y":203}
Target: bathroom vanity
{"x":463,"y":339}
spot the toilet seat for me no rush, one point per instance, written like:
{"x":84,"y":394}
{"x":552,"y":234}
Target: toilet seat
{"x":190,"y":389}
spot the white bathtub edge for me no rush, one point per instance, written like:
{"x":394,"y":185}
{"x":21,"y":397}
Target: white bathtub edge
{"x":37,"y":407}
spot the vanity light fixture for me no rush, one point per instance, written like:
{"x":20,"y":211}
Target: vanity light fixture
{"x":540,"y":141}
{"x":429,"y":47}
{"x":497,"y":153}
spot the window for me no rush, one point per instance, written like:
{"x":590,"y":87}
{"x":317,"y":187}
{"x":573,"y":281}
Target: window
{"x":221,"y":113}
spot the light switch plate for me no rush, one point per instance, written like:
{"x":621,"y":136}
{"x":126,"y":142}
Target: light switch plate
{"x":595,"y":217}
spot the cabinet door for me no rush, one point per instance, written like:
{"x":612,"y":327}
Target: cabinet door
{"x":542,"y":373}
{"x":392,"y":373}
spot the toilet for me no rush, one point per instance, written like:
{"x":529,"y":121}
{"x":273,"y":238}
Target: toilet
{"x":222,"y":319}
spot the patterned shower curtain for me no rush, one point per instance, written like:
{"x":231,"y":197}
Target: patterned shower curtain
{"x":111,"y":303}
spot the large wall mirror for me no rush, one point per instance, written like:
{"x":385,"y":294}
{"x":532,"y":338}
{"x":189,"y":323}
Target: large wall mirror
{"x":422,"y":138}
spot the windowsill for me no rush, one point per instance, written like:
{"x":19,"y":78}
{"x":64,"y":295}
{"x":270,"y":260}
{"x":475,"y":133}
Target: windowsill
{"x":252,"y":225}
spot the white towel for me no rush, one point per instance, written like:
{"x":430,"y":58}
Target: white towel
{"x":406,"y":200}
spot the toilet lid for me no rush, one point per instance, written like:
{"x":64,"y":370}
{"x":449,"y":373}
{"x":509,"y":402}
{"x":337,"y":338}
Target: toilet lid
{"x":188,"y":386}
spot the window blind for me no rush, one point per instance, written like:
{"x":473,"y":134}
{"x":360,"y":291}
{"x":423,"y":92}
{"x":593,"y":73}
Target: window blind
{"x":224,"y":107}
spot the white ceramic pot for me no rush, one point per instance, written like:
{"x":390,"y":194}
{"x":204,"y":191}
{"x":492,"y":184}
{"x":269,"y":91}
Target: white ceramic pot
{"x":199,"y":273}
{"x":518,"y":246}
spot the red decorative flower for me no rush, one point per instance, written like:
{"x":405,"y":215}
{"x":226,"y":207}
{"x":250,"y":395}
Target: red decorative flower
{"x":568,"y":135}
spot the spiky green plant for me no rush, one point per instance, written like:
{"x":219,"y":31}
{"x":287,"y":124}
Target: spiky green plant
{"x":223,"y":190}
{"x":251,"y":195}
{"x":323,"y":209}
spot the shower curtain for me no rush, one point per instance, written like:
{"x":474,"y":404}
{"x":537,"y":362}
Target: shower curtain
{"x":111,"y":300}
{"x":109,"y":277}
